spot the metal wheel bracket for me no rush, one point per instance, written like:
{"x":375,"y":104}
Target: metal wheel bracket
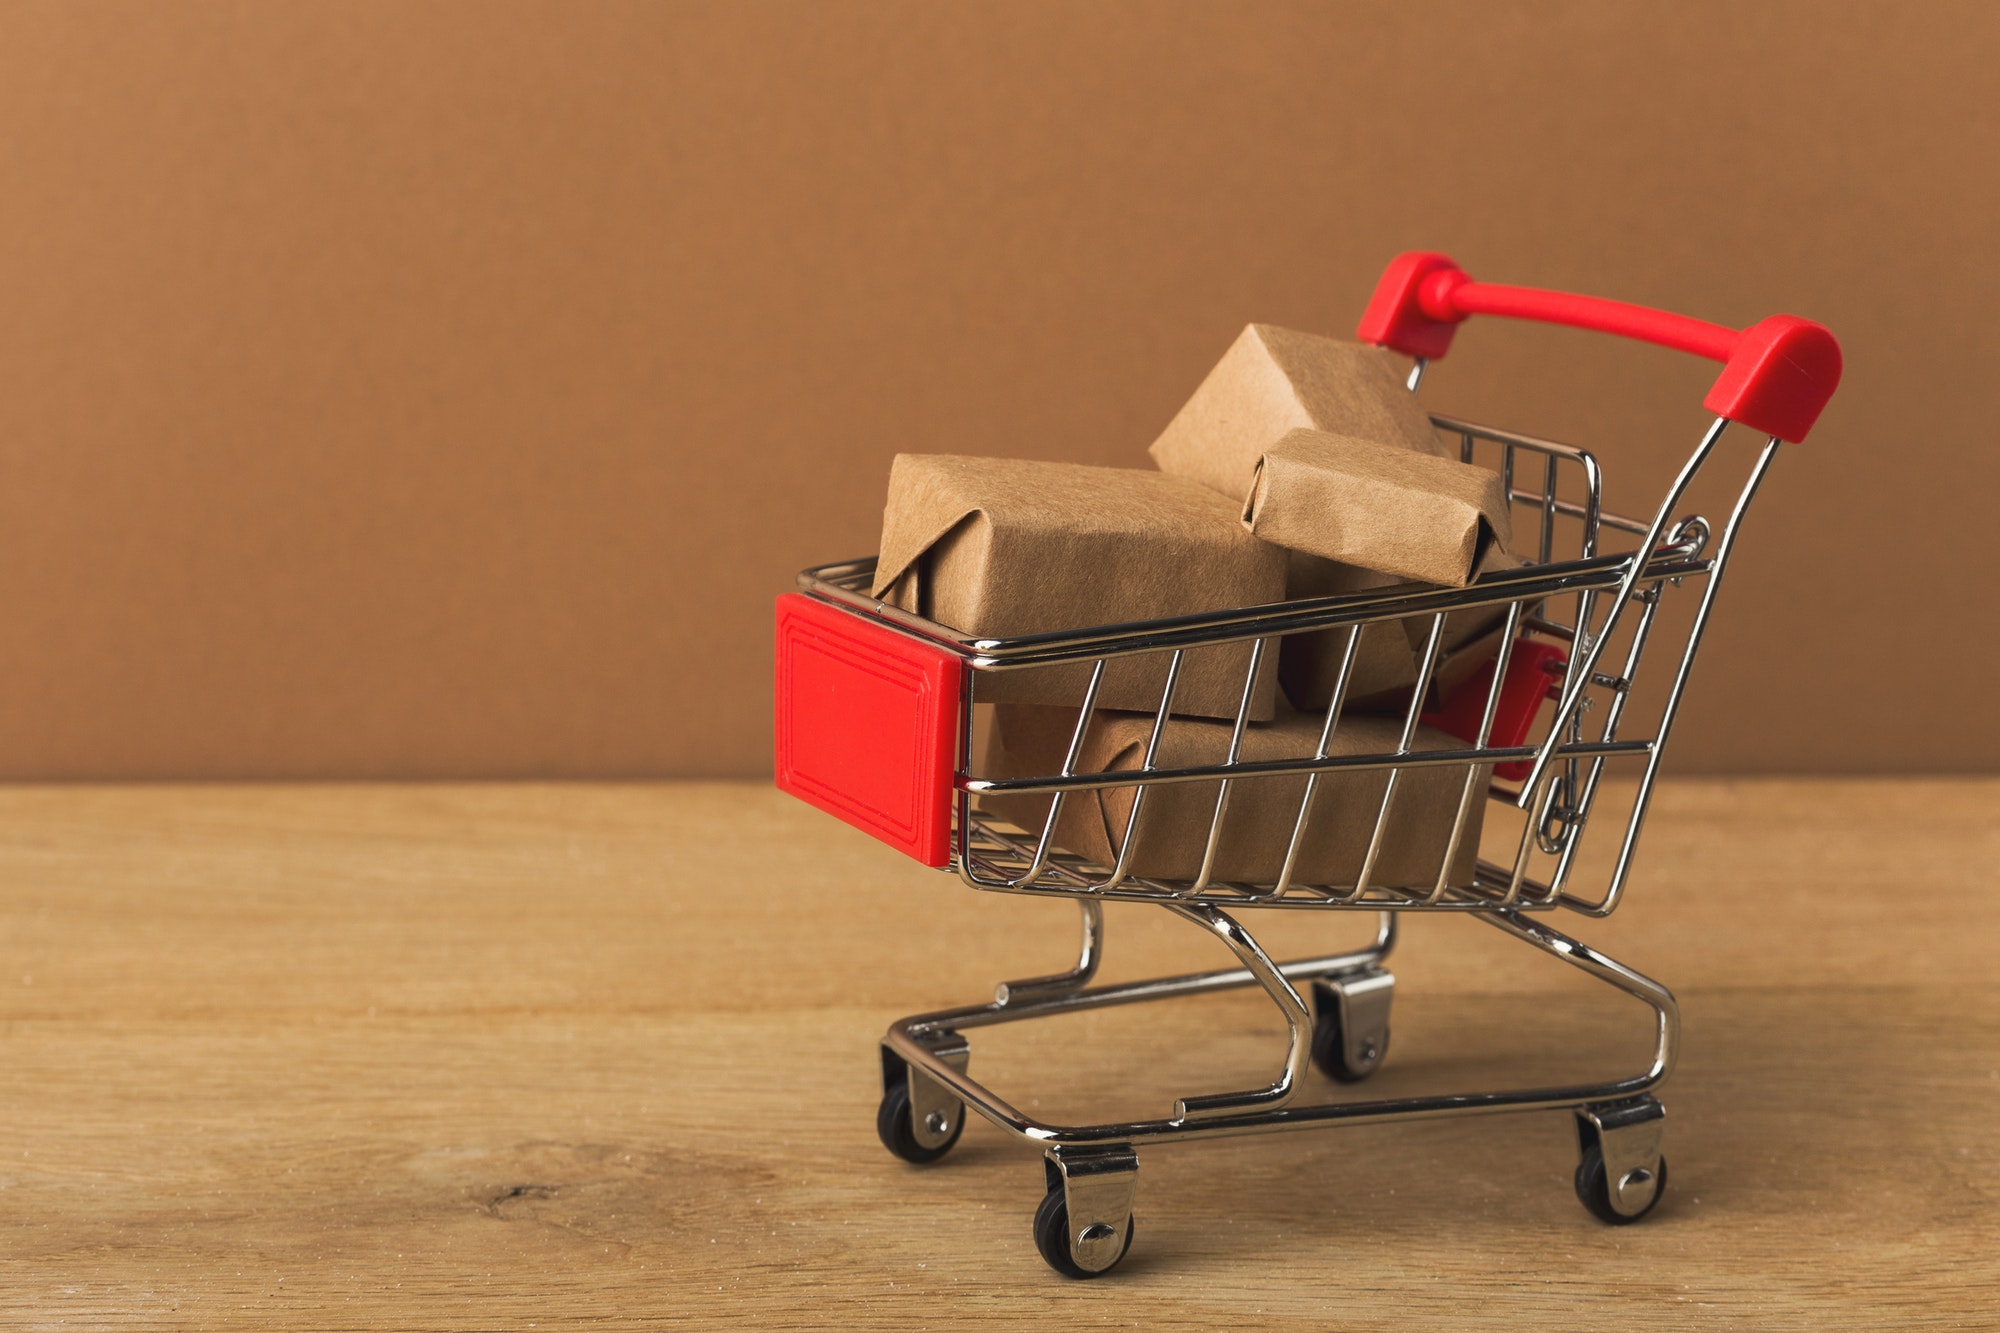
{"x":1364,"y":996}
{"x":1099,"y":1187}
{"x":1628,"y":1135}
{"x":935,"y":1110}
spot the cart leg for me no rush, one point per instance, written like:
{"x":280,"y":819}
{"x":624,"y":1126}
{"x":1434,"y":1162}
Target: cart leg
{"x":1351,"y":1022}
{"x":1621,"y":1174}
{"x":920,"y":1119}
{"x":1084,"y":1226}
{"x":1298,"y":1022}
{"x":1089,"y":952}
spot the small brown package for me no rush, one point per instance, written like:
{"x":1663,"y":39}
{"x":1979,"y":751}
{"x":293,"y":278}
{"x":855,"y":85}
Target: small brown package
{"x":1378,"y":507}
{"x":999,"y":547}
{"x":1385,"y":666}
{"x":1174,"y":821}
{"x":1385,"y":661}
{"x":1272,"y":381}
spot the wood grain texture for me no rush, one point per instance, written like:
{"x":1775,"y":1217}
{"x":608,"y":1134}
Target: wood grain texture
{"x":500,"y":1056}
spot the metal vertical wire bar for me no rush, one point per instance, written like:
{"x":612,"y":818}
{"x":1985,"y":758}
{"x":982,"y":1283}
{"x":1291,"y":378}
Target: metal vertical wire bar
{"x":1416,"y":709}
{"x":1548,"y":543}
{"x":1041,"y":856}
{"x":1593,"y":504}
{"x":1681,"y":673}
{"x":1416,"y":374}
{"x":1586,"y":600}
{"x":964,"y":803}
{"x":1582,"y":665}
{"x":1587,"y":790}
{"x":1298,"y":1020}
{"x":1235,"y":749}
{"x":1325,"y":739}
{"x":1465,"y":795}
{"x":1125,"y":845}
{"x":1089,"y":954}
{"x":1525,"y":852}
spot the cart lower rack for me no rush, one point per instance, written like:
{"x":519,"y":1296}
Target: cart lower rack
{"x":877,"y":710}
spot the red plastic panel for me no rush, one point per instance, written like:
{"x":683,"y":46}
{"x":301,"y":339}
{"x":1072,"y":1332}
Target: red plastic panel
{"x":1776,"y":378}
{"x":867,"y":725}
{"x":1396,"y":318}
{"x":1531,"y":667}
{"x":1779,"y":377}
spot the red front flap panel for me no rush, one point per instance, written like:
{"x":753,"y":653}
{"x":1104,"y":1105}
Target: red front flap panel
{"x":1531,"y":666}
{"x":867,"y":725}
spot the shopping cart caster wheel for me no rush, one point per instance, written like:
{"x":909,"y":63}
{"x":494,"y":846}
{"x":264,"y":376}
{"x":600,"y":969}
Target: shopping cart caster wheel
{"x":920,"y":1119}
{"x":1053,"y":1240}
{"x":1084,"y":1226}
{"x":1621,"y":1174}
{"x":1593,"y":1187}
{"x":899,"y":1133}
{"x":1351,"y":1023}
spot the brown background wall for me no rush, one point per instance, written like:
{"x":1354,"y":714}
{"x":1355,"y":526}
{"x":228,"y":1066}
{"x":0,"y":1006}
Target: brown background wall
{"x":445,"y":389}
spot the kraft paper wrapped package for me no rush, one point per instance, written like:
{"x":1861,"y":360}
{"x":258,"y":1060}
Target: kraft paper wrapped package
{"x":1000,"y":547}
{"x":1471,"y":640}
{"x":1272,"y":381}
{"x":1385,"y":664}
{"x":1386,"y":659}
{"x":1400,"y":516}
{"x":1172,"y":832}
{"x":1379,"y":507}
{"x":1275,"y":381}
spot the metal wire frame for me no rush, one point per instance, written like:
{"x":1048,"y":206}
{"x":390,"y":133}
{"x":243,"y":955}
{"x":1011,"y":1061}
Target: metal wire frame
{"x":1273,"y":1109}
{"x":1566,"y":765}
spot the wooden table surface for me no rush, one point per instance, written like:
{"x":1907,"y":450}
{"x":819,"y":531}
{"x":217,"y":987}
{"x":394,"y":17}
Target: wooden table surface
{"x":500,"y":1056}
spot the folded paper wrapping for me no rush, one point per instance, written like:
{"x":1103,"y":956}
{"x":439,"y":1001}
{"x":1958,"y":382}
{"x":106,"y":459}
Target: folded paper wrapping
{"x":1386,"y":659}
{"x":1272,"y":381}
{"x":1384,"y":665}
{"x":1368,"y":515}
{"x":1000,"y":547}
{"x":1173,"y":823}
{"x":1471,"y":637}
{"x":1378,"y":507}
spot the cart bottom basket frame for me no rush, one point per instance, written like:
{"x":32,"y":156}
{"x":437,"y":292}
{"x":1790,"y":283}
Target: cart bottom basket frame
{"x":1337,"y":1014}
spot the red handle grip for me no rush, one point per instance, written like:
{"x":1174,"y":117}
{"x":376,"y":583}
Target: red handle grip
{"x":1776,"y":375}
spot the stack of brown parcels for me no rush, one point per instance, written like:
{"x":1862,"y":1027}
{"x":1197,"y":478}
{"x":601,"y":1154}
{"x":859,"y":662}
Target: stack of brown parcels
{"x":998,"y":547}
{"x":1331,"y":457}
{"x":1171,"y":835}
{"x":1301,"y":467}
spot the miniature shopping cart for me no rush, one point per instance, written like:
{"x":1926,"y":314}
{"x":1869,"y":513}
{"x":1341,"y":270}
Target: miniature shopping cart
{"x":876,"y":712}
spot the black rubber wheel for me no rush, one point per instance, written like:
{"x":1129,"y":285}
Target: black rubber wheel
{"x":1052,"y":1237}
{"x":1593,"y":1188}
{"x":1329,"y":1049}
{"x":892,"y":1125}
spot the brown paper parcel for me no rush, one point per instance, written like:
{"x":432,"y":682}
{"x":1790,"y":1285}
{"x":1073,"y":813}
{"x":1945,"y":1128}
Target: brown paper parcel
{"x":1384,"y":664}
{"x":1274,"y":380}
{"x":1000,"y":547}
{"x":1378,"y":507}
{"x":1173,"y":823}
{"x":1471,"y":637}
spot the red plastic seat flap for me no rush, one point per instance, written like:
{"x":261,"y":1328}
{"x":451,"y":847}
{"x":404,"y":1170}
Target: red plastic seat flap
{"x":1531,"y":666}
{"x":867,"y":725}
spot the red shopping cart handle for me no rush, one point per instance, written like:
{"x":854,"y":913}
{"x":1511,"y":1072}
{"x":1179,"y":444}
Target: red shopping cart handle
{"x":1776,"y":375}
